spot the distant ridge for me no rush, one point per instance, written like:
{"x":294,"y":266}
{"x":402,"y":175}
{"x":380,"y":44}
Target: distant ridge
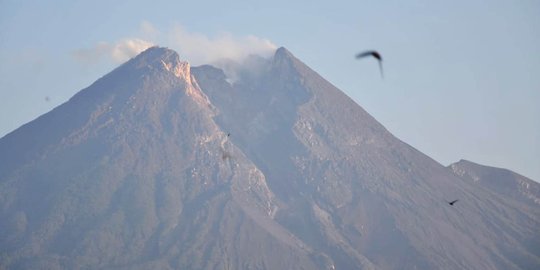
{"x":501,"y":181}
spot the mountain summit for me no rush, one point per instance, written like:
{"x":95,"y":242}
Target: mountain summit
{"x":162,"y":165}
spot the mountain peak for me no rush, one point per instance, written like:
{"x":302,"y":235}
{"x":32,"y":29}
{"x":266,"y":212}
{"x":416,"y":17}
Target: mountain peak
{"x":163,"y":58}
{"x":156,"y":52}
{"x":283,"y":56}
{"x":283,"y":52}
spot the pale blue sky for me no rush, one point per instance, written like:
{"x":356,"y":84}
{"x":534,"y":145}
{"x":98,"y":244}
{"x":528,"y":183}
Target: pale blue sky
{"x":462,"y":78}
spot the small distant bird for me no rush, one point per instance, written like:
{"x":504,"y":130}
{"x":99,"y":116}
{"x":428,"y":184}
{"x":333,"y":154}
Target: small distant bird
{"x":228,"y":134}
{"x":47,"y":98}
{"x":374,"y":54}
{"x":452,"y":202}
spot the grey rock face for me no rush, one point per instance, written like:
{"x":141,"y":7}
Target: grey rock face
{"x":137,"y":171}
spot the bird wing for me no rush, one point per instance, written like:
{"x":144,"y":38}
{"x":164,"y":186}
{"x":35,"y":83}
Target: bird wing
{"x":454,"y":201}
{"x":380,"y":67}
{"x":364,"y":54}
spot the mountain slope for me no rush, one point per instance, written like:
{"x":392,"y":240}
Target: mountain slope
{"x":347,"y":180}
{"x":138,"y":171}
{"x":132,"y":175}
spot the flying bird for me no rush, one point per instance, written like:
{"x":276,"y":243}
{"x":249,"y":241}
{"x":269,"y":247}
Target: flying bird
{"x":452,"y":202}
{"x":375,"y":55}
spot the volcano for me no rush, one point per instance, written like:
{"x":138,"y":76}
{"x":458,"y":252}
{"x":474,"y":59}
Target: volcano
{"x":162,"y":165}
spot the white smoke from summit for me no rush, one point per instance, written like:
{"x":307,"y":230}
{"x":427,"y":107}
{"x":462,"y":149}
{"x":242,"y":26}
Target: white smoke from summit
{"x":224,"y":50}
{"x":201,"y":49}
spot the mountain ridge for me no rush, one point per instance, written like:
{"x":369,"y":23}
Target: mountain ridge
{"x":499,"y":180}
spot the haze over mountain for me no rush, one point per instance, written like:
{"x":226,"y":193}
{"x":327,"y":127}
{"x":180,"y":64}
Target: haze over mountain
{"x":137,"y":171}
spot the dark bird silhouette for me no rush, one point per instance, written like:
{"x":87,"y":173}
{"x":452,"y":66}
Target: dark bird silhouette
{"x":375,"y":55}
{"x":452,"y":202}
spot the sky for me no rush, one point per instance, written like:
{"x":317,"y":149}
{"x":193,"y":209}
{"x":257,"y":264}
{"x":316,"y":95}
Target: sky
{"x":462,"y":77}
